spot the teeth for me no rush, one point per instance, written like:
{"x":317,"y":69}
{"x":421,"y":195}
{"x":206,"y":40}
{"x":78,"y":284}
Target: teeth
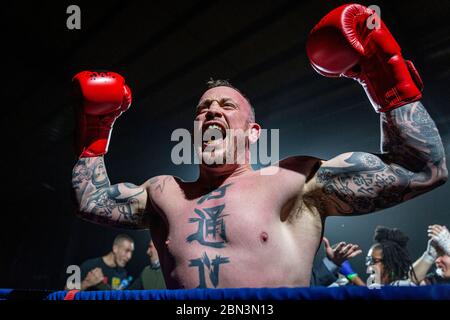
{"x":214,"y":126}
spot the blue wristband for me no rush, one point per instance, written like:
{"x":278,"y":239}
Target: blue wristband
{"x":346,"y":269}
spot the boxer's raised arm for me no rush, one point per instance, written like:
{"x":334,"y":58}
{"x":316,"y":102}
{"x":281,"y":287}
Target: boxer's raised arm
{"x":412,"y":162}
{"x":101,"y":97}
{"x":119,"y":205}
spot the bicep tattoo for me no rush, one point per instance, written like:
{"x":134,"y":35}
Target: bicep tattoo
{"x":116,"y":205}
{"x":364,"y":185}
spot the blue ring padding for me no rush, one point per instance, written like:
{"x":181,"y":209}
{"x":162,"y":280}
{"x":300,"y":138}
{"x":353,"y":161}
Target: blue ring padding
{"x":5,"y":292}
{"x":438,"y":292}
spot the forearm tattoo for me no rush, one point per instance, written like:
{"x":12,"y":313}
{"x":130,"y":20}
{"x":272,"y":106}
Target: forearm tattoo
{"x":116,"y":205}
{"x":412,"y":162}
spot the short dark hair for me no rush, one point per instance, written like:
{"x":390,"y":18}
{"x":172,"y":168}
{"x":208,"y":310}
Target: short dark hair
{"x":396,"y":258}
{"x":211,"y":83}
{"x":122,"y":237}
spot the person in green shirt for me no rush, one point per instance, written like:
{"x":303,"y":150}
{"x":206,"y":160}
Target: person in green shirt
{"x":151,"y":276}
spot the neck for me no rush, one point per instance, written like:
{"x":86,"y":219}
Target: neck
{"x":215,"y":176}
{"x":109,"y":260}
{"x":154,"y":262}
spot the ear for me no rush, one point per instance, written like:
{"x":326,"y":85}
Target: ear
{"x":254,"y":131}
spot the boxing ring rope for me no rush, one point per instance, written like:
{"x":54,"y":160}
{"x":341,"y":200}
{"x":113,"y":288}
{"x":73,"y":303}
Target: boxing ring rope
{"x":436,"y":292}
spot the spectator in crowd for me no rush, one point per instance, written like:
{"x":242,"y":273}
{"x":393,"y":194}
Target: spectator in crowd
{"x":151,"y":277}
{"x":108,"y":272}
{"x":437,"y":253}
{"x":388,"y":260}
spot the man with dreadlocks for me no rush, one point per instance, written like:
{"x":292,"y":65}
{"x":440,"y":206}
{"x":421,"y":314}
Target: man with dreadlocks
{"x":388,"y":260}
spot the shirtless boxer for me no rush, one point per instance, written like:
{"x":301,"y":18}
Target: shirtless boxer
{"x":236,"y":227}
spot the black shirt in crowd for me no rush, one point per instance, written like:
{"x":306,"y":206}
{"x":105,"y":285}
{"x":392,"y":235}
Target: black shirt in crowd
{"x":113,"y":277}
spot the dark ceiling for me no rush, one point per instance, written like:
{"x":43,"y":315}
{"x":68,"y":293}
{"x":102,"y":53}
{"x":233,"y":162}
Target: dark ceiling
{"x":167,"y":50}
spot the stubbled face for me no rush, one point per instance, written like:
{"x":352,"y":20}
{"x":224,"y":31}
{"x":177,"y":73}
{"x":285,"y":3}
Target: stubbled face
{"x":219,"y":110}
{"x":443,"y":263}
{"x":123,"y":251}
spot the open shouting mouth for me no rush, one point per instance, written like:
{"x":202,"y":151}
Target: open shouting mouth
{"x":214,"y":133}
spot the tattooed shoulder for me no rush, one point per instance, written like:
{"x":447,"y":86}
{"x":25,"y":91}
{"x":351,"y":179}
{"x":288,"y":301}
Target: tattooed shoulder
{"x":158,"y":184}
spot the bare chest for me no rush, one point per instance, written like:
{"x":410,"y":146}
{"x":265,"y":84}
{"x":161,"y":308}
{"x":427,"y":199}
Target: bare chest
{"x":243,"y":215}
{"x":237,"y":231}
{"x":222,"y":217}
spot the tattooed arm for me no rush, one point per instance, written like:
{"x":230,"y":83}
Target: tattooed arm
{"x":119,"y":205}
{"x":412,"y":162}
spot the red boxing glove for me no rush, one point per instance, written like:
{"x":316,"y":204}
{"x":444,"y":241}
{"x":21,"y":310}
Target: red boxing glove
{"x":345,"y":43}
{"x":102,"y":97}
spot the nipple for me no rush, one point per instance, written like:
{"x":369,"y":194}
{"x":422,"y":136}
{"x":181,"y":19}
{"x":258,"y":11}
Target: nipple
{"x":264,"y":237}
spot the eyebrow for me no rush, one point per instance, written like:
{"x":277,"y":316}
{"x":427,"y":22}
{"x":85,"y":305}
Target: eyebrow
{"x":224,"y":99}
